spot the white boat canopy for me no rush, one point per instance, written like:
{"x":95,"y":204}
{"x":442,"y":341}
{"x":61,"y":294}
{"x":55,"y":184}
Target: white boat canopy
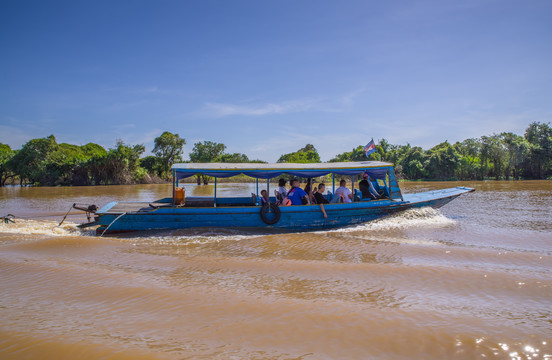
{"x":376,"y":169}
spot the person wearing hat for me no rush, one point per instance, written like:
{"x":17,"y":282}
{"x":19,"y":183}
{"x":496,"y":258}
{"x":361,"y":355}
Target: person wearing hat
{"x":367,"y":189}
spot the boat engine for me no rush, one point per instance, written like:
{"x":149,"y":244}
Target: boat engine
{"x":89,"y":209}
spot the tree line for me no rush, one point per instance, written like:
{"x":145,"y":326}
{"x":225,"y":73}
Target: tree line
{"x":45,"y":162}
{"x":498,"y":156}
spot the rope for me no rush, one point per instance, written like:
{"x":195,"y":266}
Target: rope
{"x":117,"y":218}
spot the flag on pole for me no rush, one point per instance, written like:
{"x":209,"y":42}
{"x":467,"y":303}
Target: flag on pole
{"x":370,"y":148}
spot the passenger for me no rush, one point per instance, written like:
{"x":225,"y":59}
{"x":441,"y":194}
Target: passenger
{"x":367,"y":188}
{"x":264,"y":197}
{"x":311,"y":195}
{"x":281,"y":193}
{"x":296,"y":194}
{"x":318,"y":197}
{"x":308,"y":188}
{"x":345,"y":194}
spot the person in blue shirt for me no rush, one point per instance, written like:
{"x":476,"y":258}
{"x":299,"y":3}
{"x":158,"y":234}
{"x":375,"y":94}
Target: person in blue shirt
{"x":296,"y":194}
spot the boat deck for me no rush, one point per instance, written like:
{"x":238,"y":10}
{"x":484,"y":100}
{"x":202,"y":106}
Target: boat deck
{"x":138,"y":206}
{"x":436,"y":194}
{"x":129,"y":207}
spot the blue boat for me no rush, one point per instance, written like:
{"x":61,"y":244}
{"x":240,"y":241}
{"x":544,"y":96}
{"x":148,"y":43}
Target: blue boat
{"x":181,"y":212}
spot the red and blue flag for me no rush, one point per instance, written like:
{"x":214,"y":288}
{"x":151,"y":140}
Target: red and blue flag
{"x":370,"y":148}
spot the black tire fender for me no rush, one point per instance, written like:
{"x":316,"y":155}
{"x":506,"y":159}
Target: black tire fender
{"x":270,"y":207}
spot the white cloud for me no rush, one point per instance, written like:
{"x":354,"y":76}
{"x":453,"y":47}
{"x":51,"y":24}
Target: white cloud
{"x":153,"y":89}
{"x":222,"y":110}
{"x":322,"y":104}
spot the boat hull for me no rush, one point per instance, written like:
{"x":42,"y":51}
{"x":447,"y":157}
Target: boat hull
{"x":294,"y":218}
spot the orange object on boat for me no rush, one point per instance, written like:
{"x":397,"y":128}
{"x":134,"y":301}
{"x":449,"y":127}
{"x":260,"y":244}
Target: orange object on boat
{"x":179,"y":196}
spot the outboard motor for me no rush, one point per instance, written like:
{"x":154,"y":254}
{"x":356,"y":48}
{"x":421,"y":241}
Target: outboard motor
{"x":89,"y":209}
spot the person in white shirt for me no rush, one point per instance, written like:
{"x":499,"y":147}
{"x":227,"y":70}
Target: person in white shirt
{"x":281,"y":193}
{"x":345,"y":194}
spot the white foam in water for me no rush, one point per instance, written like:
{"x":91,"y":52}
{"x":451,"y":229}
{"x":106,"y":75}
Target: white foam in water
{"x":40,"y":227}
{"x":423,"y":217}
{"x":202,"y":236}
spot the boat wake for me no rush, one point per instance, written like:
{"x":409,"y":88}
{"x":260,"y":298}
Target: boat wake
{"x":41,"y":227}
{"x":413,"y":218}
{"x":158,"y":237}
{"x":191,"y":236}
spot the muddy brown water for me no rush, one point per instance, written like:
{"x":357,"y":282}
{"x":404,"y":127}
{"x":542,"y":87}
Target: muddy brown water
{"x":471,"y":280}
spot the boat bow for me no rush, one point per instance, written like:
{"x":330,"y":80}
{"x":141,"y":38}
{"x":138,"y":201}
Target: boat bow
{"x":436,"y":198}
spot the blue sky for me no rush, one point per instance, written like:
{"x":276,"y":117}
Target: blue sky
{"x":266,"y":78}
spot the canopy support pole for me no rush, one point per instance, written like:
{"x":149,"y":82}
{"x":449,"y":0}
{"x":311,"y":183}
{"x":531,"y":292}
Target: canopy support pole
{"x":333,"y":183}
{"x":257,"y":186}
{"x":215,"y":192}
{"x":174,"y":189}
{"x":309,"y":181}
{"x":268,"y":187}
{"x":353,"y":186}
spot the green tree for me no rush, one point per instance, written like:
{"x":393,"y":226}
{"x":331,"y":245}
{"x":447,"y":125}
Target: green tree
{"x":441,"y":161}
{"x":469,"y":165}
{"x":69,"y":164}
{"x":411,"y":160}
{"x":518,"y":150}
{"x":357,"y":154}
{"x":45,"y":162}
{"x":168,"y":148}
{"x":64,"y":166}
{"x":234,"y":158}
{"x":91,"y":150}
{"x":494,"y":156}
{"x":389,"y":152}
{"x":152,"y":164}
{"x":80,"y":174}
{"x":206,"y":152}
{"x":385,"y":146}
{"x":118,"y":166}
{"x":30,"y":162}
{"x":539,"y":135}
{"x":6,"y":153}
{"x":308,"y":154}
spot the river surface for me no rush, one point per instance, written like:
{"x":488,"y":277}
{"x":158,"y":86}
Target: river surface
{"x":471,"y":280}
